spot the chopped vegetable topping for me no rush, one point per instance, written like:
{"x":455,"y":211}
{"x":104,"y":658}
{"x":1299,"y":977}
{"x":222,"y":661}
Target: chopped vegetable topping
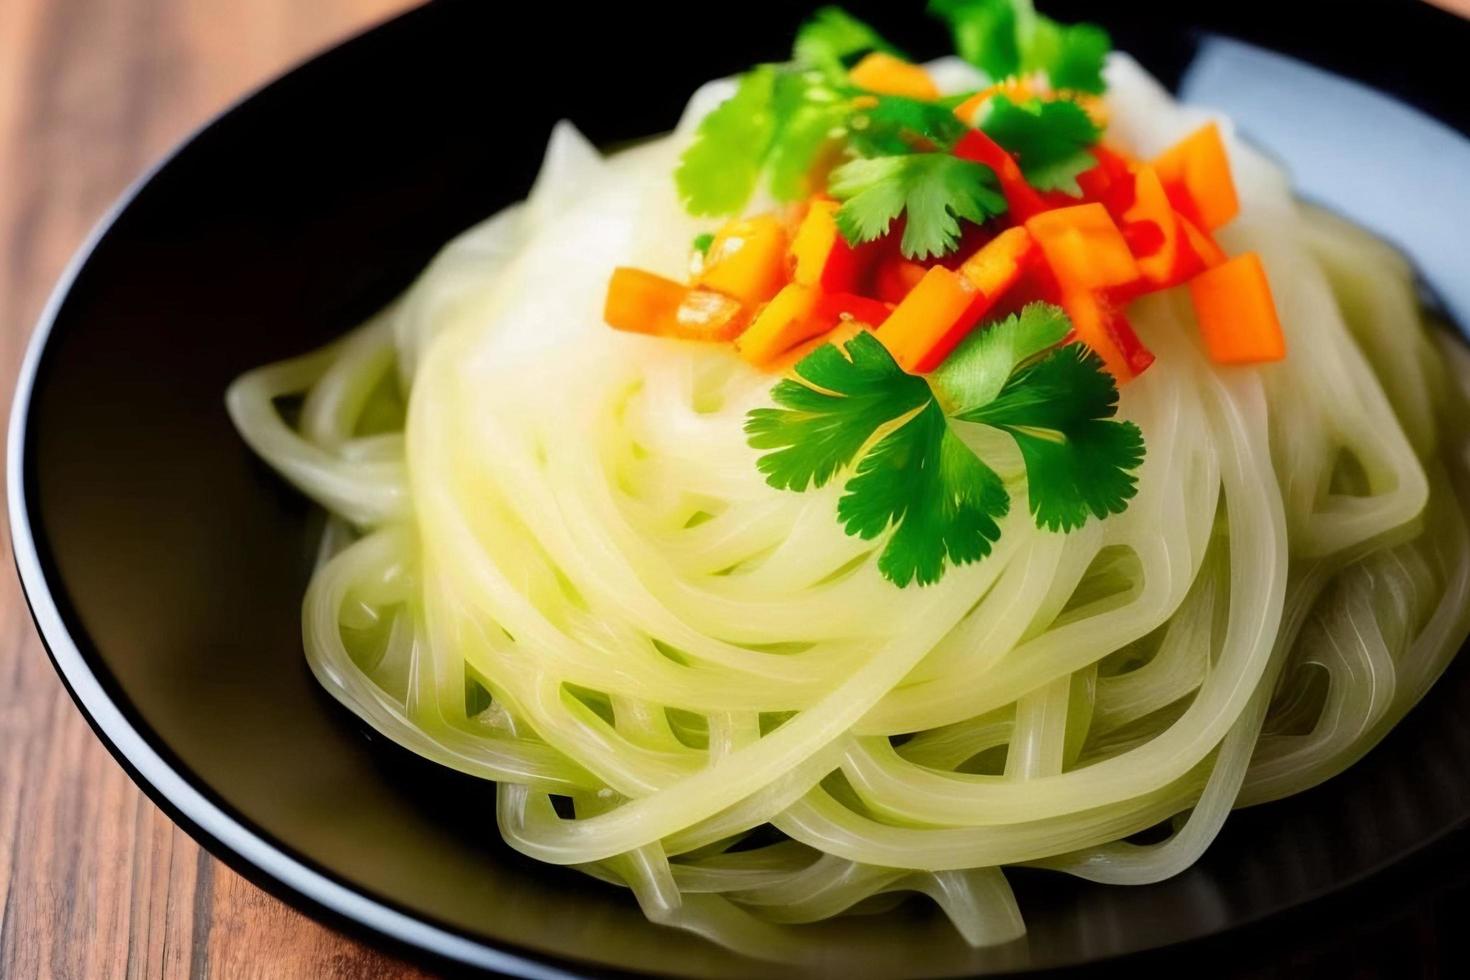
{"x":947,"y":260}
{"x":1237,"y":316}
{"x":883,"y":73}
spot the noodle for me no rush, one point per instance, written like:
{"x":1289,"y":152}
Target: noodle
{"x":558,"y":568}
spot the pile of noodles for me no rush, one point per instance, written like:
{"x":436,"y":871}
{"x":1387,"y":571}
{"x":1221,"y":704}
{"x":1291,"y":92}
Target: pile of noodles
{"x":553,"y":564}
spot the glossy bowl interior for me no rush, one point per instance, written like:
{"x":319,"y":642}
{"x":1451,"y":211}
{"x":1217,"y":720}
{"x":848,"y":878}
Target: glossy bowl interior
{"x":166,"y":565}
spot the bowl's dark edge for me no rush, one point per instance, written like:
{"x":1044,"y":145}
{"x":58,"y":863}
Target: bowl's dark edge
{"x":253,"y":852}
{"x":247,"y":849}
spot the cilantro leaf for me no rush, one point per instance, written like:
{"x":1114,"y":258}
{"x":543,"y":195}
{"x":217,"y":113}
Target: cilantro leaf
{"x":833,"y":36}
{"x":977,"y":370}
{"x":1005,"y":38}
{"x":1050,"y":139}
{"x":940,"y":499}
{"x":896,"y":124}
{"x":821,"y":425}
{"x":719,"y":170}
{"x":919,"y":480}
{"x":810,"y":118}
{"x":781,"y":121}
{"x":1073,"y":56}
{"x":934,"y":190}
{"x":1078,"y":460}
{"x":986,"y":33}
{"x":702,"y":242}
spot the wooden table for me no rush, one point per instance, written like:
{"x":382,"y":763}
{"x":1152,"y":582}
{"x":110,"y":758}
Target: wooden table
{"x":95,"y":882}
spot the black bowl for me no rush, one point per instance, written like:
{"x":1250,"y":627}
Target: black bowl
{"x":165,"y":565}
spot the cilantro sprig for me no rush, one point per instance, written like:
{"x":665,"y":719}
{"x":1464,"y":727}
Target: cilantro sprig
{"x":832,"y":38}
{"x":780,"y":120}
{"x":1051,"y":140}
{"x":934,"y":190}
{"x":856,"y":409}
{"x":803,"y":123}
{"x":1004,"y":38}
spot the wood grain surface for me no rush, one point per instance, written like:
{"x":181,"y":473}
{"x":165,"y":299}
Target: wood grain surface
{"x":95,"y":882}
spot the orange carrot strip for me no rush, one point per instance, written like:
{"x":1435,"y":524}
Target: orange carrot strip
{"x":1166,"y":263}
{"x":887,"y":75}
{"x":1196,"y":174}
{"x":708,"y":315}
{"x":1202,"y":244}
{"x":1084,"y":248}
{"x":641,"y":302}
{"x":1237,"y":314}
{"x":933,"y":317}
{"x":999,"y":263}
{"x":747,"y":260}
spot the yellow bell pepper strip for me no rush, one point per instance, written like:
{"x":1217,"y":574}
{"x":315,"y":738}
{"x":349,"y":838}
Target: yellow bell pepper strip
{"x":887,"y":75}
{"x":641,"y":302}
{"x":1021,"y":198}
{"x":1084,"y":248}
{"x":747,"y":260}
{"x":822,"y":257}
{"x":1237,"y":314}
{"x":787,"y":320}
{"x":934,"y":317}
{"x":1196,"y":174}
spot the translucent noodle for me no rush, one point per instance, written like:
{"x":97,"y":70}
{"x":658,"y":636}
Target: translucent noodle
{"x":552,"y":563}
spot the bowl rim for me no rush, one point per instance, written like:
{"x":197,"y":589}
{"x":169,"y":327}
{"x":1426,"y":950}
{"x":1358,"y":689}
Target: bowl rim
{"x":228,"y":835}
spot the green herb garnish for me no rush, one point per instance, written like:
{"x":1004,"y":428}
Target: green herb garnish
{"x":934,"y":190}
{"x":832,"y":39}
{"x":914,"y":473}
{"x":1050,"y":140}
{"x":784,"y":119}
{"x":1004,"y":38}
